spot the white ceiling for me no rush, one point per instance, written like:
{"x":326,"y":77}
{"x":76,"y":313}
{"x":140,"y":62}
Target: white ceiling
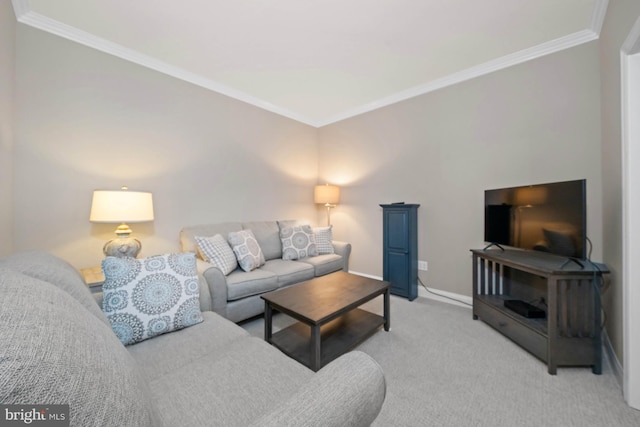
{"x":320,"y":61}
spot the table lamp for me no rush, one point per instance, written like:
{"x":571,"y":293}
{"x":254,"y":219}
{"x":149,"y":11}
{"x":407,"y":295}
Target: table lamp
{"x":328,"y":195}
{"x":121,"y":206}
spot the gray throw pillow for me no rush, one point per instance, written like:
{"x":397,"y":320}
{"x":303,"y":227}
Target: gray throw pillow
{"x":298,"y":242}
{"x":216,"y":250}
{"x":247,"y":250}
{"x":324,"y":239}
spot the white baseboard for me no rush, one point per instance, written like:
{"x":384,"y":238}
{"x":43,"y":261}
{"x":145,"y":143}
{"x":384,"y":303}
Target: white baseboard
{"x":618,"y":370}
{"x":444,"y":296}
{"x":370,"y":276}
{"x":434,"y":294}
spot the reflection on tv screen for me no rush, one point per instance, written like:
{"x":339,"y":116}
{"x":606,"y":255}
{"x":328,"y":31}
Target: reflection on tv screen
{"x":543,"y":217}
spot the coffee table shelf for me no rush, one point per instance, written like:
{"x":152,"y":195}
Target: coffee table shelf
{"x":338,"y":336}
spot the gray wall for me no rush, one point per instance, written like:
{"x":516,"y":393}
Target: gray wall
{"x":7,"y":68}
{"x":621,"y":15}
{"x":532,"y":123}
{"x":86,"y":120}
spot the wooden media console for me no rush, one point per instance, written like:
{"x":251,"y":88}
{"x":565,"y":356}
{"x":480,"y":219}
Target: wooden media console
{"x":568,"y":290}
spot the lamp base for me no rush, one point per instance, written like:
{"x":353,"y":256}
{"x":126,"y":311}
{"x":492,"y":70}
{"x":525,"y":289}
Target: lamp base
{"x":122,"y":247}
{"x":329,"y":207}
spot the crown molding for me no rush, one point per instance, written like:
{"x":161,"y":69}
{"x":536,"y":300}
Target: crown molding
{"x":507,"y":61}
{"x":598,"y":15}
{"x":26,"y":16}
{"x":631,"y":45}
{"x":20,"y":7}
{"x":572,"y":40}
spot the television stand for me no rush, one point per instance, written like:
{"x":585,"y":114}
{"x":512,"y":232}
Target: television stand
{"x":570,"y":335}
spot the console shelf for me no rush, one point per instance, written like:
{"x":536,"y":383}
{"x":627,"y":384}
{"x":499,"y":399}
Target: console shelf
{"x":570,"y":335}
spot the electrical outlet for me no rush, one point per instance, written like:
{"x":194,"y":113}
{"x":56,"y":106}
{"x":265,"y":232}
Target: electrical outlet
{"x":422,"y":265}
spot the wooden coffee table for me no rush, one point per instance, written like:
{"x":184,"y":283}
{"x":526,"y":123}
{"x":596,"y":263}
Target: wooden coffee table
{"x":329,"y":320}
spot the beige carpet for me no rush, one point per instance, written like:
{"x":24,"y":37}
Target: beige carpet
{"x":445,"y":369}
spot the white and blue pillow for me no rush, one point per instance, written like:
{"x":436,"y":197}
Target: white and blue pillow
{"x":247,"y":250}
{"x":297,"y":242}
{"x":143,"y":298}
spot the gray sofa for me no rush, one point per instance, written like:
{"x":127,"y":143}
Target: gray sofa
{"x":237,"y":295}
{"x":57,"y":347}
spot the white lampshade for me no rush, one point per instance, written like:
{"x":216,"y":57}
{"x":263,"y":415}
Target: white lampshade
{"x":326,"y":194}
{"x":121,"y":206}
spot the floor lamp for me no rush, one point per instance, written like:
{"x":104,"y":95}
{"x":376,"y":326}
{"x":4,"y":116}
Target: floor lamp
{"x":327,"y":195}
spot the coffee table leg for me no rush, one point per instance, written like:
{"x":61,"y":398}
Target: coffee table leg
{"x":387,"y":311}
{"x":315,"y":348}
{"x":268,"y":314}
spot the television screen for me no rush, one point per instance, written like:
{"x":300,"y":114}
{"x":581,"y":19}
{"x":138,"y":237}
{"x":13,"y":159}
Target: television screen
{"x":543,"y":217}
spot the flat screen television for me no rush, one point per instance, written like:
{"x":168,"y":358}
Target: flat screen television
{"x":543,"y":217}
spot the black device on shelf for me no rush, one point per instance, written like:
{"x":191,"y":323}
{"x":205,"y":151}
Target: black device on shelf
{"x":525,"y":309}
{"x":545,"y":217}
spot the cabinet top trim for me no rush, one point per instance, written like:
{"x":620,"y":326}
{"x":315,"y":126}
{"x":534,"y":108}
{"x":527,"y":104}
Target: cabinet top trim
{"x":540,"y":262}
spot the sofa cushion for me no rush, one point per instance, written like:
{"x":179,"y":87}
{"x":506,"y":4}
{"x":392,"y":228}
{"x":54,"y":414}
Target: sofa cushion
{"x":242,"y":284}
{"x":289,"y":272}
{"x":168,"y":352}
{"x":349,"y":391}
{"x":324,"y":239}
{"x":54,"y":351}
{"x":48,"y":267}
{"x":247,"y":249}
{"x":216,"y":250}
{"x":297,"y":242}
{"x":324,"y":264}
{"x":204,"y":393}
{"x":150,"y":296}
{"x":267,"y":233}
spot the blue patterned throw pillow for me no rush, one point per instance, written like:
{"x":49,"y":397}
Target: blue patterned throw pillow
{"x":143,"y":298}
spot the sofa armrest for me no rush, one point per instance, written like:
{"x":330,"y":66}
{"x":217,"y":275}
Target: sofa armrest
{"x":205,"y":295}
{"x":344,"y":250}
{"x":349,"y":391}
{"x":217,"y":285}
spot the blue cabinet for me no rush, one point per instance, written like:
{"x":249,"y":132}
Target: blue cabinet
{"x":400,"y":248}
